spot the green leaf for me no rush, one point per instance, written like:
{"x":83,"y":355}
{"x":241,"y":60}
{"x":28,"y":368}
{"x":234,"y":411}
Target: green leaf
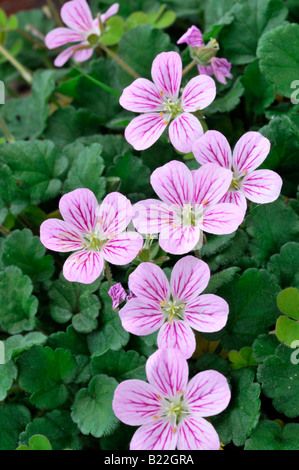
{"x":24,"y":250}
{"x":8,"y":373}
{"x":133,"y":173}
{"x":252,"y":19}
{"x":264,"y":346}
{"x":278,"y":52}
{"x":242,"y":358}
{"x":236,"y":422}
{"x":284,"y":266}
{"x":68,"y":124}
{"x":16,"y":344}
{"x":139,"y":47}
{"x":110,"y":334}
{"x":268,"y":435}
{"x":92,"y":408}
{"x":59,"y":428}
{"x":12,"y":198}
{"x":271,"y":226}
{"x":252,"y":308}
{"x":75,"y":301}
{"x":86,"y":172}
{"x":229,"y":252}
{"x":258,"y":91}
{"x":122,"y":365}
{"x":220,"y":279}
{"x":17,"y":306}
{"x":13,"y":418}
{"x":279,"y":377}
{"x":37,"y":442}
{"x":37,"y":165}
{"x":26,"y":117}
{"x":76,"y":343}
{"x":228,"y":100}
{"x":288,"y":302}
{"x":115,"y":28}
{"x":45,"y":373}
{"x":287,"y":330}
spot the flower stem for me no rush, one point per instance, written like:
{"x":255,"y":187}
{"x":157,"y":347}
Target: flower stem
{"x":118,"y":60}
{"x":108,"y":273}
{"x":4,"y":230}
{"x":98,"y":83}
{"x":189,"y":67}
{"x":26,"y":74}
{"x":9,"y":137}
{"x":54,"y":12}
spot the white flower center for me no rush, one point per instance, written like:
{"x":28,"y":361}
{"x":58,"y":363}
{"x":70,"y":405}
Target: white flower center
{"x":173,"y":409}
{"x":97,"y":239}
{"x":173,"y":310}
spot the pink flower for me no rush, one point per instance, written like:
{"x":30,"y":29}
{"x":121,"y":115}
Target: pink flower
{"x":190,"y":205}
{"x":261,"y":186}
{"x":192,"y":37}
{"x":96,"y":233}
{"x":162,"y":107}
{"x":218,"y":67}
{"x":170,"y":410}
{"x":204,"y":54}
{"x":117,"y":294}
{"x":173,"y":308}
{"x":81,"y":29}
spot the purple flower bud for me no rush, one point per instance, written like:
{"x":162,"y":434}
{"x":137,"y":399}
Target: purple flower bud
{"x":117,"y":294}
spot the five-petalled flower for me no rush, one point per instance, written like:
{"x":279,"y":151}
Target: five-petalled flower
{"x":96,"y":233}
{"x":82,"y":29}
{"x":190,"y":205}
{"x":260,"y":186}
{"x":170,"y":410}
{"x":174,"y":307}
{"x":161,"y":106}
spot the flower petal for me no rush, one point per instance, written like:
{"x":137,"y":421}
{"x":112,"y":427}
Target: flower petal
{"x":113,"y":10}
{"x":135,"y":402}
{"x":198,"y":93}
{"x":235,"y":197}
{"x":117,"y":294}
{"x":178,"y":335}
{"x":58,"y":235}
{"x":223,"y":218}
{"x":115,"y":213}
{"x":65,"y":55}
{"x":149,"y":282}
{"x":189,"y":277}
{"x":123,"y":248}
{"x":167,"y":370}
{"x":262,"y":186}
{"x":83,"y":54}
{"x":250,"y":152}
{"x":221,"y":69}
{"x":207,"y":393}
{"x":207,"y":313}
{"x":213,"y":147}
{"x":197,"y":434}
{"x":141,"y":316}
{"x":144,"y":130}
{"x":151,"y":215}
{"x":173,"y":183}
{"x":60,"y":36}
{"x":141,"y":96}
{"x":79,"y":208}
{"x":192,"y":37}
{"x":179,"y":240}
{"x":183,"y":131}
{"x":167,"y":73}
{"x":156,"y":436}
{"x":76,"y":15}
{"x":211,"y":182}
{"x":83,"y":266}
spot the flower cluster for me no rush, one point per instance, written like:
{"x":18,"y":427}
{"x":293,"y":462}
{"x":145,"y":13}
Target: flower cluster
{"x":169,"y":410}
{"x":204,"y":55}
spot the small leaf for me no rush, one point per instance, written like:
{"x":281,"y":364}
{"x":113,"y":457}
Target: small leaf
{"x":288,"y":302}
{"x":37,"y":442}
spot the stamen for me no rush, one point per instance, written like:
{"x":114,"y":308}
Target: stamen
{"x":245,"y":172}
{"x":156,"y":417}
{"x":163,"y":303}
{"x":173,"y":430}
{"x":180,"y":391}
{"x":205,"y":202}
{"x":161,"y":92}
{"x":161,"y":114}
{"x":159,"y":397}
{"x":165,"y":122}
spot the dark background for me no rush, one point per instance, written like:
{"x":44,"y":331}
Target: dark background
{"x":13,"y":6}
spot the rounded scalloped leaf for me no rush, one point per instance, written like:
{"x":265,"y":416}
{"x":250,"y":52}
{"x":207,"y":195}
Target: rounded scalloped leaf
{"x":288,"y":302}
{"x":37,"y":442}
{"x":287,"y":330}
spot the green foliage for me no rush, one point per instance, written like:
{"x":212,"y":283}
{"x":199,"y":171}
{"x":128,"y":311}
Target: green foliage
{"x":65,"y":348}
